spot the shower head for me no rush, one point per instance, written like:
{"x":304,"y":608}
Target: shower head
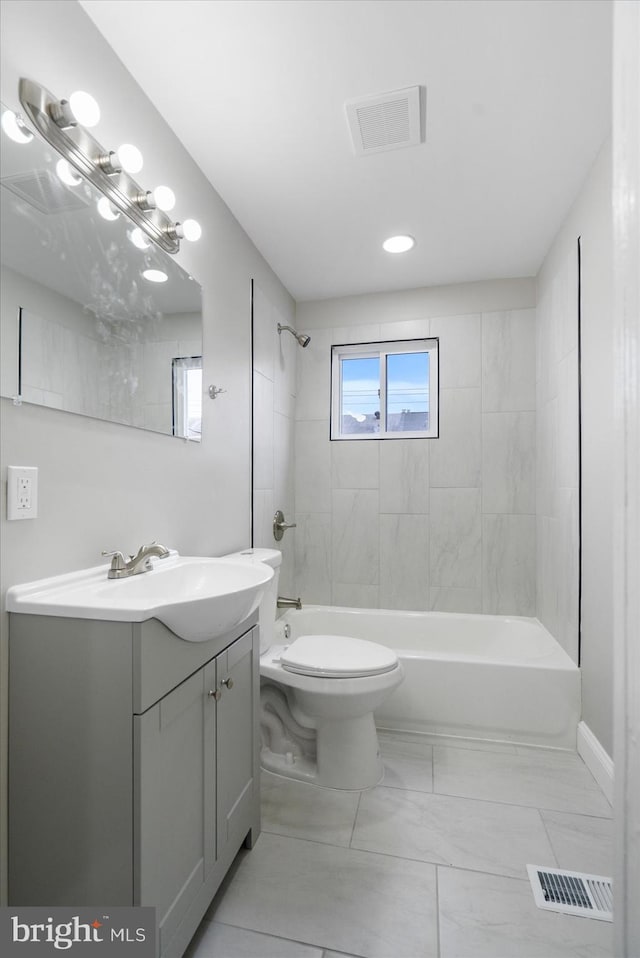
{"x":302,"y":339}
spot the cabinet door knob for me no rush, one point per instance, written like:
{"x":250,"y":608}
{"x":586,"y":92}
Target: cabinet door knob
{"x":215,"y":694}
{"x":228,"y":682}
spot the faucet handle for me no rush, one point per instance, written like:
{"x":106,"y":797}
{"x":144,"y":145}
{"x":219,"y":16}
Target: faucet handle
{"x":279,"y":525}
{"x":117,"y":562}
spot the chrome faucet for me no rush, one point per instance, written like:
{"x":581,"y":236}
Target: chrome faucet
{"x":141,"y":562}
{"x":283,"y":603}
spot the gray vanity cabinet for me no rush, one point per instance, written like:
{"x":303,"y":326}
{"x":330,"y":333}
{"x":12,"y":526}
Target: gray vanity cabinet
{"x":133,"y":766}
{"x":236,"y":741}
{"x":175,"y":799}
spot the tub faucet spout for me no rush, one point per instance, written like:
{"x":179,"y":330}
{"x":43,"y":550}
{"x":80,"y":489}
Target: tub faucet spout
{"x":284,"y":603}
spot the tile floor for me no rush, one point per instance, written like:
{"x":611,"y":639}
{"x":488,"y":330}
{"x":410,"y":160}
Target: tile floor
{"x":429,"y":864}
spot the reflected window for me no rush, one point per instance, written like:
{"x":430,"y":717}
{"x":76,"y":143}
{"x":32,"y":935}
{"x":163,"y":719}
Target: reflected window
{"x":187,"y":397}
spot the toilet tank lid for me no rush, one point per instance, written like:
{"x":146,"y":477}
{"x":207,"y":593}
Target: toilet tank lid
{"x":337,"y":656}
{"x":270,"y":557}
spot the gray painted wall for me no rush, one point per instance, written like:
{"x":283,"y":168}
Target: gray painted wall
{"x":108,"y":486}
{"x":590,"y":218}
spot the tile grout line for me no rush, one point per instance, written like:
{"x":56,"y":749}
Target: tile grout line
{"x":538,"y":808}
{"x":355,"y":819}
{"x":546,"y":831}
{"x":437,"y":903}
{"x":492,"y":801}
{"x":401,"y":858}
{"x":266,"y":934}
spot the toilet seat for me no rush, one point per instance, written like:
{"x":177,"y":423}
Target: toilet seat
{"x":337,"y":656}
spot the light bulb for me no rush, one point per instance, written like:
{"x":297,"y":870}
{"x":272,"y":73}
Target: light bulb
{"x":107,"y":210}
{"x":165,"y":198}
{"x":14,"y":127}
{"x":192,"y":230}
{"x":67,"y":174}
{"x":155,"y":275}
{"x":398,"y":244}
{"x":138,"y":238}
{"x":84,"y":108}
{"x":130,"y":158}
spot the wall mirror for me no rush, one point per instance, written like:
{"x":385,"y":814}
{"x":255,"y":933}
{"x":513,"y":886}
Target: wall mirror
{"x":84,"y":326}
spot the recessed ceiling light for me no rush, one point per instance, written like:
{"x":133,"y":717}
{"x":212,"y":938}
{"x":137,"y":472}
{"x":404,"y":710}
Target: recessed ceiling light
{"x":155,"y":275}
{"x":398,"y":244}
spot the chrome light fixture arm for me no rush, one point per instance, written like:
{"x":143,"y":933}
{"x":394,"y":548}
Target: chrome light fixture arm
{"x":94,"y":162}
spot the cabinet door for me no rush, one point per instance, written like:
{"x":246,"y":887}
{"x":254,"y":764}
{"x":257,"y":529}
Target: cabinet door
{"x":174,"y":799}
{"x":238,"y":786}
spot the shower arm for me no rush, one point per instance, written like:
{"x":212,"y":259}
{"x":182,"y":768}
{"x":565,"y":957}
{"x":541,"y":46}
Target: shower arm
{"x":302,"y":339}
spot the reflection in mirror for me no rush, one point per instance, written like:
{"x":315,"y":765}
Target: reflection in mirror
{"x":187,"y":396}
{"x":95,"y":320}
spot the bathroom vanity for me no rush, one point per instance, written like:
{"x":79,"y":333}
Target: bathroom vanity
{"x":134,"y":765}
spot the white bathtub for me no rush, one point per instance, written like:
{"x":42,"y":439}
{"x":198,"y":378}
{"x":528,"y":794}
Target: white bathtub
{"x":475,"y":676}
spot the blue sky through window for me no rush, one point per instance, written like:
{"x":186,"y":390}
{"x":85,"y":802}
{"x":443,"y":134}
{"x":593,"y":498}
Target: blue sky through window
{"x":360,"y":386}
{"x":407,"y":384}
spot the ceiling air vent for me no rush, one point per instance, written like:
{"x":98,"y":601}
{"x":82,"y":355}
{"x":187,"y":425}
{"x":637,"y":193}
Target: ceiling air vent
{"x":45,"y":191}
{"x":573,"y":893}
{"x":389,"y":121}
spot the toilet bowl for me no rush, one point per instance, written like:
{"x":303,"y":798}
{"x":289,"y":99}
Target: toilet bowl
{"x":317,"y":698}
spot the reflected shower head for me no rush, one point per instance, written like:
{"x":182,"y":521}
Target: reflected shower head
{"x":302,"y":339}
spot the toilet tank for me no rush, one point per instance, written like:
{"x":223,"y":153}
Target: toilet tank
{"x":267,"y":609}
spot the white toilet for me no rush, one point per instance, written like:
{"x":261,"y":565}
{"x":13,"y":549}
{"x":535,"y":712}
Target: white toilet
{"x":317,"y":698}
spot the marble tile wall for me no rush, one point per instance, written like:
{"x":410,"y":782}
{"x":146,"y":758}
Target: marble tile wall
{"x":71,"y":367}
{"x":60,"y":366}
{"x":445,"y":524}
{"x":557,"y":467}
{"x":274,"y":393}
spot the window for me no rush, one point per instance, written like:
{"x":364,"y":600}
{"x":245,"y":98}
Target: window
{"x":187,"y":397}
{"x":385,"y":390}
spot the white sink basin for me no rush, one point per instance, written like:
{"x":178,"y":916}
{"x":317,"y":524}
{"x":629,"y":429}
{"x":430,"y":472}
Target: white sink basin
{"x":197,"y":598}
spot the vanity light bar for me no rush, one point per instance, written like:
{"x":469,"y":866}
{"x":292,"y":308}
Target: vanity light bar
{"x":99,"y":166}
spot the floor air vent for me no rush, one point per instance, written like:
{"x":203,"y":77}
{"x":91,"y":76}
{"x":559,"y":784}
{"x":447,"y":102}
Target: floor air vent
{"x":572,"y":893}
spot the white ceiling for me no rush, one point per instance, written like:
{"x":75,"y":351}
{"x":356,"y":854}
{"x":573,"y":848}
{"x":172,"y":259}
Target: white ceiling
{"x":517,"y":106}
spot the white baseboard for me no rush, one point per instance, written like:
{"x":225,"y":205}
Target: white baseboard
{"x":596,"y":759}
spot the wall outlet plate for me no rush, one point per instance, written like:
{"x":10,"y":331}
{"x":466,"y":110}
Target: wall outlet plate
{"x":22,"y":492}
